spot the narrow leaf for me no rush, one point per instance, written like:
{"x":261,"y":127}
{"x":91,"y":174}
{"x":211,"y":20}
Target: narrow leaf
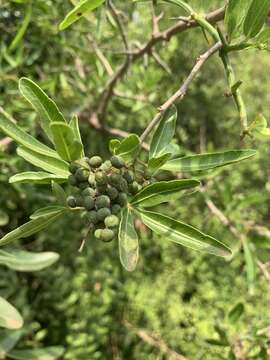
{"x":22,"y":29}
{"x":128,"y":147}
{"x":207,"y":161}
{"x":59,"y":193}
{"x":128,"y":241}
{"x":39,"y":177}
{"x":48,"y":353}
{"x":74,"y":124}
{"x":161,"y":192}
{"x":259,"y":127}
{"x":45,"y":107}
{"x":164,"y":133}
{"x":156,"y":163}
{"x":64,"y":140}
{"x":48,"y":210}
{"x":20,"y":260}
{"x":236,"y":12}
{"x":256,"y":17}
{"x":183,"y":234}
{"x":235,"y":313}
{"x":81,"y":9}
{"x":8,"y":126}
{"x":9,"y":316}
{"x":55,"y":166}
{"x":30,"y":228}
{"x":263,"y":36}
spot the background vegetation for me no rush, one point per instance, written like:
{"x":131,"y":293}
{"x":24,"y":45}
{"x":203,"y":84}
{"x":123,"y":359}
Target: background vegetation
{"x":177,"y":300}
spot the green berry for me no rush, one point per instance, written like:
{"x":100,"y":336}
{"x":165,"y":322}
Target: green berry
{"x":106,"y":166}
{"x":117,"y":162}
{"x":107,"y":235}
{"x":95,"y":161}
{"x":89,"y":203}
{"x":101,"y":178}
{"x":98,"y":233}
{"x":129,"y":176}
{"x":116,"y":208}
{"x":73,"y":168}
{"x":103,"y":213}
{"x":103,"y":201}
{"x":112,"y":193}
{"x":79,"y":201}
{"x":111,"y":221}
{"x":114,"y":179}
{"x":122,"y":185}
{"x":72,"y":180}
{"x":92,"y":217}
{"x":71,"y":202}
{"x":91,"y":179}
{"x":88,"y":192}
{"x":133,"y":188}
{"x":82,"y":174}
{"x":122,"y":199}
{"x":83,"y":185}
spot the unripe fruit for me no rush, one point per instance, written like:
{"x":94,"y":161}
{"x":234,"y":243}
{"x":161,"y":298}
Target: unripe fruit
{"x":79,"y":201}
{"x":98,"y":233}
{"x":82,"y":174}
{"x":103,"y":201}
{"x":71,"y":202}
{"x":114,"y":179}
{"x":95,"y":161}
{"x":106,"y":166}
{"x":112,"y":193}
{"x":92,"y":217}
{"x":101,"y":188}
{"x":111,"y":221}
{"x":129,"y":176}
{"x":89,"y":203}
{"x":73,"y":168}
{"x":88,"y":192}
{"x":116,"y":208}
{"x":83,"y":185}
{"x":122,"y":199}
{"x":117,"y":162}
{"x":107,"y":235}
{"x":91,"y":179}
{"x":101,"y":178}
{"x":133,"y":188}
{"x":72,"y":180}
{"x":103,"y":213}
{"x":122,"y":185}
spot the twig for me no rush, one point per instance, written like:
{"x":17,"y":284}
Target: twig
{"x":181,"y":92}
{"x":104,"y":61}
{"x":264,"y":270}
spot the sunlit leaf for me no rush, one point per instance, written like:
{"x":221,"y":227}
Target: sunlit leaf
{"x":128,"y":147}
{"x":9,"y":316}
{"x":113,"y":145}
{"x":128,"y":241}
{"x":48,"y":353}
{"x":183,"y":234}
{"x":48,"y":210}
{"x":81,"y":9}
{"x":156,"y":163}
{"x":259,"y":127}
{"x":39,"y":177}
{"x":209,"y":161}
{"x":236,"y":12}
{"x":263,"y":36}
{"x":21,"y":260}
{"x":256,"y":17}
{"x":74,"y":124}
{"x":161,"y":192}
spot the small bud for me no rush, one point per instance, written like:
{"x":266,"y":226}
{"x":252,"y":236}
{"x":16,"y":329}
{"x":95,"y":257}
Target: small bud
{"x":147,"y":174}
{"x":103,"y":213}
{"x":133,"y":188}
{"x":103,"y":201}
{"x":122,"y":185}
{"x":71,"y":202}
{"x":117,"y":162}
{"x":95,"y":161}
{"x":82,"y":175}
{"x":79,"y":201}
{"x":101,"y":178}
{"x":91,"y":179}
{"x":114,"y":179}
{"x":111,"y":221}
{"x":89,"y":203}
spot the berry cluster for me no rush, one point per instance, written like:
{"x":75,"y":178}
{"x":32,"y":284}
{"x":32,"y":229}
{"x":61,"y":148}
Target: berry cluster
{"x":102,"y":190}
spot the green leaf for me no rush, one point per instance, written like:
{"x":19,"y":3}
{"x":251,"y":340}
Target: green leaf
{"x":183,"y":234}
{"x":22,"y":29}
{"x":30,"y":228}
{"x":208,"y":161}
{"x":113,"y":145}
{"x":20,"y":260}
{"x":256,"y":17}
{"x":128,"y":241}
{"x":9,"y":316}
{"x":8,"y":126}
{"x":161,"y":192}
{"x":47,"y":163}
{"x":182,"y":4}
{"x":164,"y":133}
{"x":236,"y":312}
{"x":74,"y":124}
{"x":45,"y":107}
{"x":35,"y":177}
{"x":156,"y":163}
{"x":236,"y":12}
{"x":250,"y":265}
{"x":128,"y":147}
{"x":258,"y":127}
{"x":48,"y":210}
{"x":263,"y":36}
{"x":81,"y":9}
{"x":59,"y":193}
{"x":66,"y":144}
{"x":48,"y":353}
{"x":8,"y":339}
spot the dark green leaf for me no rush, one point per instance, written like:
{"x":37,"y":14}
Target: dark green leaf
{"x":256,"y":17}
{"x":9,"y":316}
{"x":216,"y":342}
{"x":45,"y":107}
{"x":183,"y":234}
{"x":8,"y":126}
{"x":128,"y":147}
{"x":20,"y":260}
{"x":164,"y":133}
{"x":32,"y":177}
{"x":49,"y":353}
{"x":207,"y":161}
{"x":236,"y":12}
{"x":59,"y":193}
{"x":128,"y":241}
{"x":236,"y":312}
{"x":161,"y":192}
{"x":81,"y":9}
{"x":47,"y":163}
{"x":30,"y":228}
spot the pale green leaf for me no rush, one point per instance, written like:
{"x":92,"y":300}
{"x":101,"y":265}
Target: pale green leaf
{"x":113,"y":145}
{"x":128,"y":147}
{"x":45,"y":107}
{"x":164,"y":133}
{"x":47,"y":163}
{"x":8,"y":126}
{"x":183,"y":234}
{"x":39,"y":177}
{"x":209,"y":161}
{"x":128,"y":241}
{"x":263,"y":36}
{"x":9,"y":316}
{"x":259,"y":127}
{"x":21,"y":260}
{"x":236,"y":12}
{"x":256,"y":17}
{"x":74,"y":124}
{"x":30,"y":228}
{"x":81,"y":9}
{"x":161,"y":192}
{"x":48,"y":353}
{"x":156,"y":163}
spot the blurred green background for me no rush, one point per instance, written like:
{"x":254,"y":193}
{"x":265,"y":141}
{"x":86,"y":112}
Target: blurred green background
{"x":177,"y":299}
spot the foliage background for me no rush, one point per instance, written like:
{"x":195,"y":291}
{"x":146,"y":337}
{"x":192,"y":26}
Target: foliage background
{"x":87,"y":302}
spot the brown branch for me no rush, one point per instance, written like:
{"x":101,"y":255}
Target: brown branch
{"x":181,"y":92}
